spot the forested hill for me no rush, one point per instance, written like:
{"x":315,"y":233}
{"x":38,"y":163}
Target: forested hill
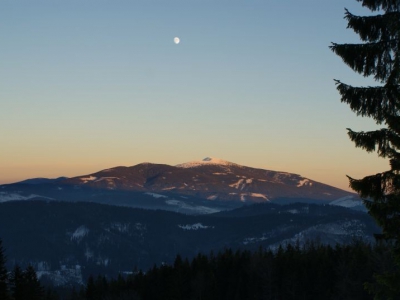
{"x":78,"y":239}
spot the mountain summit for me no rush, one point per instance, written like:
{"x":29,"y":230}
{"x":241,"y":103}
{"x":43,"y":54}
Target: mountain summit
{"x":206,"y":161}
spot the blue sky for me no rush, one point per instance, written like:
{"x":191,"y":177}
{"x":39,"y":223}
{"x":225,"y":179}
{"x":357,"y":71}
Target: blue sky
{"x":86,"y":85}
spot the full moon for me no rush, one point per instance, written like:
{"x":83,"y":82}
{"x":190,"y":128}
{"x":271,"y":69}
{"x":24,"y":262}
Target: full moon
{"x":176,"y":40}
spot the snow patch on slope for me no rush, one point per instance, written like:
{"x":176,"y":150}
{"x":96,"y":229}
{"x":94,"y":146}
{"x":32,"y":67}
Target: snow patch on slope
{"x":347,"y":201}
{"x":86,"y":179}
{"x":196,"y":226}
{"x":96,"y":179}
{"x":197,"y":209}
{"x":238,"y":185}
{"x":155,"y":195}
{"x":257,"y":195}
{"x":243,"y":196}
{"x":106,"y":178}
{"x":241,"y":183}
{"x":80,"y":233}
{"x":304,"y":182}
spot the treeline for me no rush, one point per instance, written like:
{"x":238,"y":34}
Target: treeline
{"x":311,"y":272}
{"x":293,"y":272}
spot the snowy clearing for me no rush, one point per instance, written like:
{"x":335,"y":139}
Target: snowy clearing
{"x":86,"y":179}
{"x":196,"y":226}
{"x":238,"y":185}
{"x":80,"y":233}
{"x":257,"y":195}
{"x":169,"y":188}
{"x":304,"y":182}
{"x":197,"y":209}
{"x":106,"y":178}
{"x":155,"y":195}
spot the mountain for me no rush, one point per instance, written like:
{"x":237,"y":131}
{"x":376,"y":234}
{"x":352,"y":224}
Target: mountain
{"x":205,"y":186}
{"x":210,"y":179}
{"x":66,"y":242}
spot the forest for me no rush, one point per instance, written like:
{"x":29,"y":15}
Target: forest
{"x":313,"y":271}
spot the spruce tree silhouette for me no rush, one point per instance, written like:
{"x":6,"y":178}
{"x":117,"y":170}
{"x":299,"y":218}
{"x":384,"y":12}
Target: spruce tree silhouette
{"x":377,"y":56}
{"x":3,"y":275}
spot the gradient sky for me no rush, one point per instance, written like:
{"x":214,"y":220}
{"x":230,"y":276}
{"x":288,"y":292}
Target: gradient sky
{"x":92,"y":84}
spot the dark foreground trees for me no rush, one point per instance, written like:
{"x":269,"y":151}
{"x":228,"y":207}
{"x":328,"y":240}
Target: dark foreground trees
{"x":378,"y":56}
{"x":25,"y":284}
{"x":313,"y":272}
{"x":19,"y":284}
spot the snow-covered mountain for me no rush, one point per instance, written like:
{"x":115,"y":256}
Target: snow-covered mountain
{"x":210,"y":181}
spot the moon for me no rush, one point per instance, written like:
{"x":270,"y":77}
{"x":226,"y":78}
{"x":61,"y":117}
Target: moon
{"x":176,"y":40}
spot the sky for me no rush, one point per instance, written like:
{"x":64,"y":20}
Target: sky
{"x":87,"y":85}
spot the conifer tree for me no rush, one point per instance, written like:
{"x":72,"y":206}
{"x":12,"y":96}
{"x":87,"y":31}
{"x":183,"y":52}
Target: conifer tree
{"x":90,"y":291}
{"x":17,"y":283}
{"x":3,"y":275}
{"x":378,"y":56}
{"x":25,"y":284}
{"x":32,"y":286}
